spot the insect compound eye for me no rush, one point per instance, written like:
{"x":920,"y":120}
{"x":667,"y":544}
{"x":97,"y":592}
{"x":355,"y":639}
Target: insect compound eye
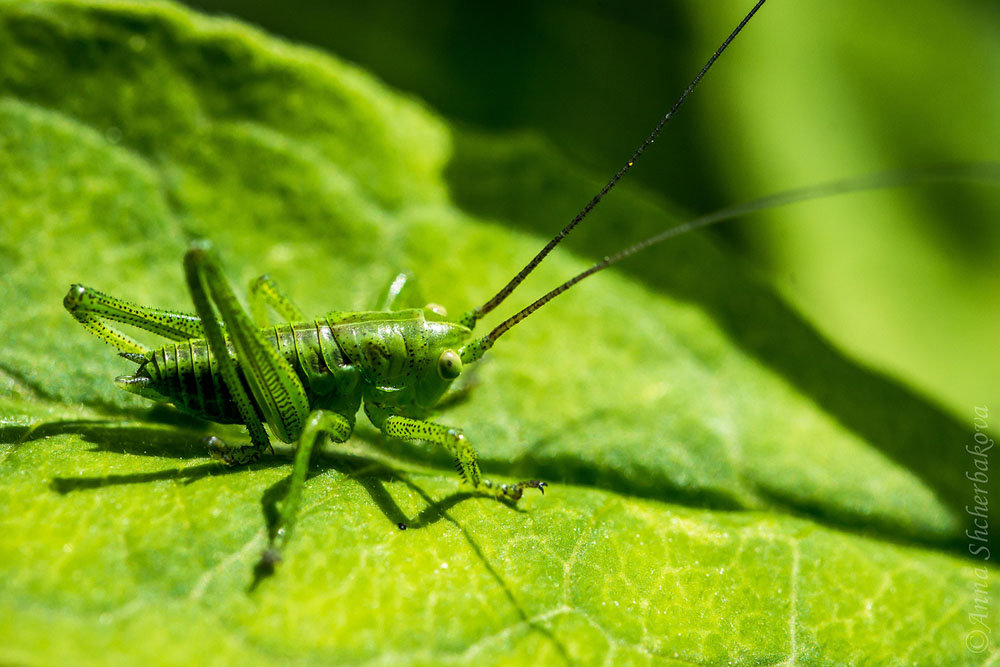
{"x":449,"y":365}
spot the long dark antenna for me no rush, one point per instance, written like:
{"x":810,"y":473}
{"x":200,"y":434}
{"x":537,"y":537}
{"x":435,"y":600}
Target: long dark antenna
{"x":984,"y":172}
{"x":470,"y":318}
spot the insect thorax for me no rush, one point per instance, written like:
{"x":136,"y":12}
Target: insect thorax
{"x":397,"y":355}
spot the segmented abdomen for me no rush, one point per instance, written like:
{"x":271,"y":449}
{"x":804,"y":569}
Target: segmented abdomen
{"x":187,"y":373}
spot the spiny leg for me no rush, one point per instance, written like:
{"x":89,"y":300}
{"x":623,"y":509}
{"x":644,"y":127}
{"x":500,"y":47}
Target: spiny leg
{"x":278,"y":393}
{"x":404,"y":292}
{"x":466,"y":460}
{"x":90,"y":307}
{"x":319,"y":423}
{"x":401,"y":292}
{"x":265,"y":292}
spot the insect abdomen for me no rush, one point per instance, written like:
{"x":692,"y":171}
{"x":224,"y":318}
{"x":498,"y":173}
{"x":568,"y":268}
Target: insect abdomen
{"x":187,"y":373}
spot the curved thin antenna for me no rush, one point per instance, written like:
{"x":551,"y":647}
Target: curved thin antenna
{"x":470,"y":318}
{"x":984,"y":172}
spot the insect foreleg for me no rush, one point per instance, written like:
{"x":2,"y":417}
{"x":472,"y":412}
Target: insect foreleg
{"x":90,"y":307}
{"x":320,"y":423}
{"x":466,"y":460}
{"x":265,"y":292}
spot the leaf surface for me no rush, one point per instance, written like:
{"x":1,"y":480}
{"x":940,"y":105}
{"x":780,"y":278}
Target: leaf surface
{"x":724,"y":484}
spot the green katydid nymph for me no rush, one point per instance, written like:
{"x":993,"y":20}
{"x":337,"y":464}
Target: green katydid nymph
{"x":306,"y":379}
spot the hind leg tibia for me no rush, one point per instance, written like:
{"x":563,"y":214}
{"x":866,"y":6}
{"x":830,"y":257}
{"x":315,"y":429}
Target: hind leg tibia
{"x":264,"y":292}
{"x":320,"y":423}
{"x":91,"y":308}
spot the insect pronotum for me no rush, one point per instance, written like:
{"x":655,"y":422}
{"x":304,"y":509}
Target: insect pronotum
{"x":307,"y":378}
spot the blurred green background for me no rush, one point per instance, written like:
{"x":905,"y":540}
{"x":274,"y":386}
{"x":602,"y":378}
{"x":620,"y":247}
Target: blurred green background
{"x":903,"y":280}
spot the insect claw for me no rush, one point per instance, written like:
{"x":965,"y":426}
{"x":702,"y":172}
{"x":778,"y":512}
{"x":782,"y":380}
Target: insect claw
{"x":534,"y":484}
{"x":219,"y":451}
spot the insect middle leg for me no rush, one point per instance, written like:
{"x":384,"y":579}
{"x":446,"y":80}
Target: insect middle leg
{"x":404,"y":292}
{"x":401,"y":292}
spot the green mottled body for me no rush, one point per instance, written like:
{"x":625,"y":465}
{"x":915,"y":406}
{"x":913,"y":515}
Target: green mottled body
{"x":340,"y":359}
{"x":187,"y":373}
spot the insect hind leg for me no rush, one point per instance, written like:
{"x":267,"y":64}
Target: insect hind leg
{"x":337,"y":427}
{"x":264,"y":292}
{"x":277,"y":394}
{"x":91,"y":308}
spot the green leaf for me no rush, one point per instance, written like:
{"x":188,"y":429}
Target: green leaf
{"x":724,"y":484}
